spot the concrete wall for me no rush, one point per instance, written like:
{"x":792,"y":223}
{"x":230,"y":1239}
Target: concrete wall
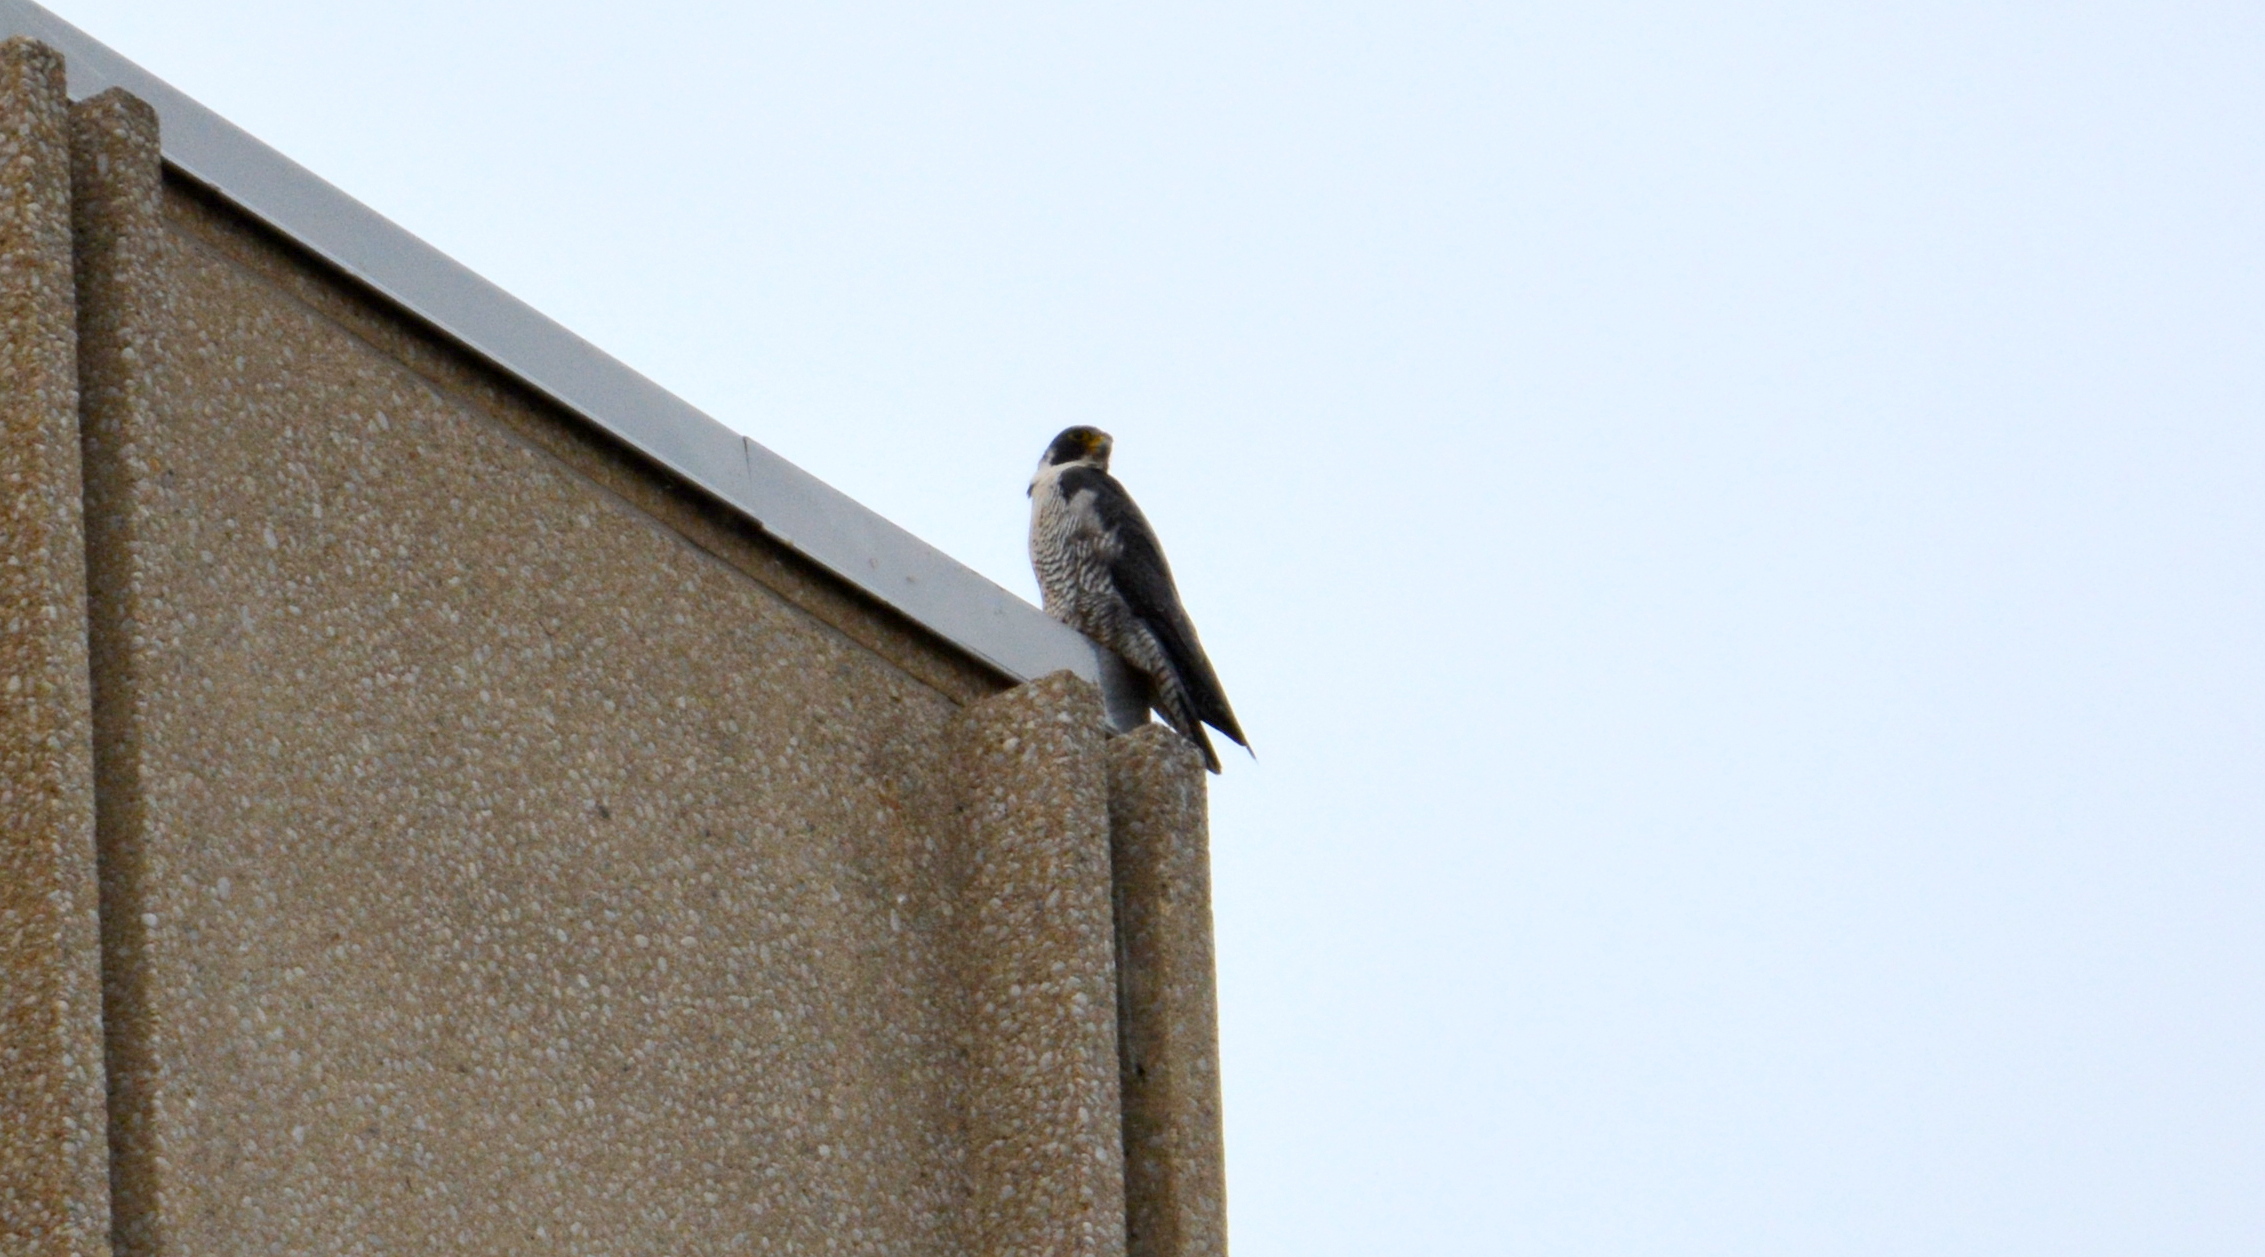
{"x":500,"y":847}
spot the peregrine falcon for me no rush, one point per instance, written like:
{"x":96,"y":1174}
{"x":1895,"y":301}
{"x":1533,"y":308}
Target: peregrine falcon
{"x":1102,"y":573}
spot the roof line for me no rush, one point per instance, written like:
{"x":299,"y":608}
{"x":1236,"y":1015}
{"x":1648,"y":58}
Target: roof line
{"x":809,"y":516}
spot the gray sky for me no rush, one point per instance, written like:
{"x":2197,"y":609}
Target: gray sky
{"x":1735,"y":530}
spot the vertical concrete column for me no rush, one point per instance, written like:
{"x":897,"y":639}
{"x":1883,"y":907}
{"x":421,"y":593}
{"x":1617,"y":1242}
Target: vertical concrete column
{"x":1168,"y":1019}
{"x":1045,"y":1142}
{"x":54,"y":1196}
{"x":117,"y":177}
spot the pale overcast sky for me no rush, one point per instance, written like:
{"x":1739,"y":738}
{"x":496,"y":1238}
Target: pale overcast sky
{"x":1735,"y":531}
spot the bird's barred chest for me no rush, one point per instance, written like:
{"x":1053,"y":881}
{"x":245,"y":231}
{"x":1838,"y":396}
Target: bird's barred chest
{"x":1065,"y":554}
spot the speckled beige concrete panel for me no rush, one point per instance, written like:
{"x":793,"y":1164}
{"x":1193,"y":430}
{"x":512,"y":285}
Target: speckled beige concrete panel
{"x":604,"y":461}
{"x":512,"y":875}
{"x":53,"y":1191}
{"x":119,"y":235}
{"x":1044,"y":1133}
{"x":1168,"y":1020}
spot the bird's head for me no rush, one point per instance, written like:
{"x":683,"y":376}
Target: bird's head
{"x":1080,"y":444}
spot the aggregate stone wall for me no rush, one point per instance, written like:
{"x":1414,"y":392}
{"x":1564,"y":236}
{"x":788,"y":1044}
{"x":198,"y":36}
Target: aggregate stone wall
{"x":501,"y":848}
{"x":506,"y":871}
{"x":53,"y":1189}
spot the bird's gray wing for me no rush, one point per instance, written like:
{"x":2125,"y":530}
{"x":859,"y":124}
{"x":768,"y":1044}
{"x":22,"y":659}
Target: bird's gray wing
{"x":1143,"y":578}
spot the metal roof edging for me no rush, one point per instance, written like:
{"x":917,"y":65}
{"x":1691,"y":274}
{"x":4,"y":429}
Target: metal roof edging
{"x":808,"y":515}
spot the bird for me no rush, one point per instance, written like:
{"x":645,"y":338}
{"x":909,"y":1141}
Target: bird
{"x":1101,"y":571}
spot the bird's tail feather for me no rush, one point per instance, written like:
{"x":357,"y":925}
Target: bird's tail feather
{"x":1173,"y":706}
{"x":1202,"y":742}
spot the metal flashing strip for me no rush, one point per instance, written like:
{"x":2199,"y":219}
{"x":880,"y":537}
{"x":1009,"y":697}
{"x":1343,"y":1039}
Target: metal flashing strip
{"x":805,"y":513}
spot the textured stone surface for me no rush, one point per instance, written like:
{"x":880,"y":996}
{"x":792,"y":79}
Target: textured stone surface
{"x":1044,"y":1134}
{"x":507,"y":873}
{"x":1168,"y":1023}
{"x":500,"y":848}
{"x":607,"y":463}
{"x":119,"y":234}
{"x":53,"y":1194}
